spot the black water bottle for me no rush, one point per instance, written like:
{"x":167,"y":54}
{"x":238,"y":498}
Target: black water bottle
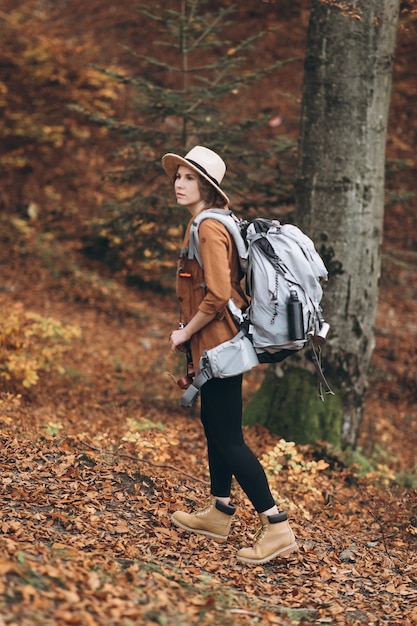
{"x":295,"y":318}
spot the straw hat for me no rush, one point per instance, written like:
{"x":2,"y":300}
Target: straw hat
{"x":203,"y":161}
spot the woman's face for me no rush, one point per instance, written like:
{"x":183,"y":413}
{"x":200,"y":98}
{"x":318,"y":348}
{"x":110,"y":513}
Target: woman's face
{"x":187,"y":189}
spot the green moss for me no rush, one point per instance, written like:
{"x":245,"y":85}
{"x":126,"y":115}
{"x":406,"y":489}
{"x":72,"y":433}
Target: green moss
{"x":290,"y":406}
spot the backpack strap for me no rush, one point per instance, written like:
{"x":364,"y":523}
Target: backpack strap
{"x":230,"y":222}
{"x":189,"y":397}
{"x":322,"y":383}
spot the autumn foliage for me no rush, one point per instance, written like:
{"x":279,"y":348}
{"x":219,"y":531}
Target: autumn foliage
{"x":95,"y":453}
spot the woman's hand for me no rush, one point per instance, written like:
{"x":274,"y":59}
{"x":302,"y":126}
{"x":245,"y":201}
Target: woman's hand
{"x":178,"y":339}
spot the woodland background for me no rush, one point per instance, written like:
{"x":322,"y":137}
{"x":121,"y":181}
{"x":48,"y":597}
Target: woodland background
{"x":95,"y":453}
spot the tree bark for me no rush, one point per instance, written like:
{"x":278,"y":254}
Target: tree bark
{"x":340,"y":188}
{"x":340,"y":193}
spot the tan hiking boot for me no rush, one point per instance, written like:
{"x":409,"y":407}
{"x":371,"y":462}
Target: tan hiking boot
{"x":273,"y":538}
{"x":213,"y":520}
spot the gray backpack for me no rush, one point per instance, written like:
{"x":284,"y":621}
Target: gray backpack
{"x":283,"y":279}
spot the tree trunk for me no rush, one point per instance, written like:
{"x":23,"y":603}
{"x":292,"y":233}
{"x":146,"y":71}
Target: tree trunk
{"x":339,"y":191}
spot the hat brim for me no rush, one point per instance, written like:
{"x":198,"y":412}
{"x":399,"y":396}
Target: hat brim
{"x":170,"y":163}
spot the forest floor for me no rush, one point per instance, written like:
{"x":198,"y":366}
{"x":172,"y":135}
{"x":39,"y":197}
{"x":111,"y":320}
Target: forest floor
{"x":95,"y":459}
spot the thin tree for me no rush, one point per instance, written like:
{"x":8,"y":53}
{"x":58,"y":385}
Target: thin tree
{"x":188,"y":90}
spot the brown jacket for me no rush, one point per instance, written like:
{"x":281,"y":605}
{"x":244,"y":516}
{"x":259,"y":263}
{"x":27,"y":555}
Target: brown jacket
{"x":209,"y":290}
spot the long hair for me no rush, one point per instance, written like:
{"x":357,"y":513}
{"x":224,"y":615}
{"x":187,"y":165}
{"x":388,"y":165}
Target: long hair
{"x":210,"y":195}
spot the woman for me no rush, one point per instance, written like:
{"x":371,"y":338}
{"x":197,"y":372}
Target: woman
{"x":203,"y":296}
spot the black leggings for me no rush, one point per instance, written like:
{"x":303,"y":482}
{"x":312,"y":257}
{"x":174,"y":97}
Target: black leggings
{"x":228,"y":454}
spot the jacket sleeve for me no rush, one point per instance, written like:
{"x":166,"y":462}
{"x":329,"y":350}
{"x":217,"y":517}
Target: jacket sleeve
{"x":215,"y":250}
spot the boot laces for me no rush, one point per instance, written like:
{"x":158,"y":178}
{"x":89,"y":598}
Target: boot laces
{"x":205,"y":508}
{"x":260,"y":532}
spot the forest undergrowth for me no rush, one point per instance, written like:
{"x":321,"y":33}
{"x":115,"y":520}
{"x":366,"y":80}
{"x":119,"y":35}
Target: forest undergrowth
{"x":95,"y":452}
{"x":96,"y":457}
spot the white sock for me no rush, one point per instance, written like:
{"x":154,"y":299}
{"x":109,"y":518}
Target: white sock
{"x":272,"y":511}
{"x":223,"y":500}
